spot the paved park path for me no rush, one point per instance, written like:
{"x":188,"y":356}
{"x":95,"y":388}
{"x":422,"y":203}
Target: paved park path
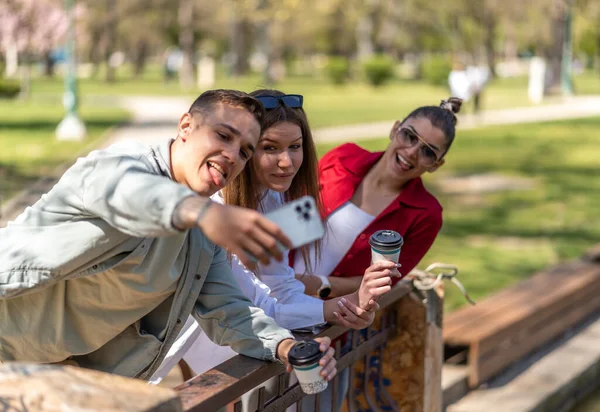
{"x":156,"y":118}
{"x":571,"y":108}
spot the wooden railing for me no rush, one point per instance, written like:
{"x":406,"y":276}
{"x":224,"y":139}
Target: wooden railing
{"x":394,"y":365}
{"x":399,"y":359}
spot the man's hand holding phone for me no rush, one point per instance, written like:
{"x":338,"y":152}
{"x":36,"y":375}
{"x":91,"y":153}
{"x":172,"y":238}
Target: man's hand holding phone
{"x":245,"y":233}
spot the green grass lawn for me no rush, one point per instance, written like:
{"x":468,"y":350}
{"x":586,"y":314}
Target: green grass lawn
{"x":587,"y":83}
{"x":326,"y":104}
{"x":28,"y":148}
{"x":499,"y":238}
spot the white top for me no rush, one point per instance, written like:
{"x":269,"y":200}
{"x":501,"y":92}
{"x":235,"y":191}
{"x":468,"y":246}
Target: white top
{"x":287,"y":304}
{"x":344,"y":225}
{"x":478,"y":77}
{"x":285,"y":301}
{"x":460,"y":84}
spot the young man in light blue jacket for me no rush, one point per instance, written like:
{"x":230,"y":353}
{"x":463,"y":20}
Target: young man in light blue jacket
{"x":106,"y":267}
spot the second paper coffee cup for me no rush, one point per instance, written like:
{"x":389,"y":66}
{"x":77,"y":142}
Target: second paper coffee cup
{"x":385,"y":245}
{"x":304,"y":357}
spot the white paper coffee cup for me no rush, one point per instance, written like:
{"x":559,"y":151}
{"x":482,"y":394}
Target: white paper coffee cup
{"x":385,"y":245}
{"x":304,"y":358}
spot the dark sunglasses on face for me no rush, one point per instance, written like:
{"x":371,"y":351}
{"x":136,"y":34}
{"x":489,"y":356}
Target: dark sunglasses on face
{"x":410,"y":139}
{"x":290,"y":100}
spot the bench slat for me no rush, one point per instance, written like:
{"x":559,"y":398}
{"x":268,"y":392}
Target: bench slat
{"x":536,"y":304}
{"x":562,"y":289}
{"x":484,"y":366}
{"x":542,"y":315}
{"x":469,"y":318}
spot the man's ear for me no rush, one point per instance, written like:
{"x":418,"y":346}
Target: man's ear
{"x":396,"y":125}
{"x":186,"y":126}
{"x":436,"y":166}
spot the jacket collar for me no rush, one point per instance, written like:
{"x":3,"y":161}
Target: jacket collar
{"x":162,"y":154}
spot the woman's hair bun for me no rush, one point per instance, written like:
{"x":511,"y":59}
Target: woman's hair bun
{"x":453,"y":104}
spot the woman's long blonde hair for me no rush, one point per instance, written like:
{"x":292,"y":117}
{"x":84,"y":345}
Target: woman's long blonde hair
{"x":244,"y":190}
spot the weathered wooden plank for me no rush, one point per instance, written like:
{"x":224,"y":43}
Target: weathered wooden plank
{"x":526,"y":341}
{"x":470,"y":319}
{"x":296,"y":393}
{"x":233,"y":378}
{"x":404,"y":358}
{"x":225,"y":382}
{"x":539,"y":307}
{"x":434,"y":351}
{"x":53,"y":388}
{"x":546,"y":314}
{"x":538,"y":302}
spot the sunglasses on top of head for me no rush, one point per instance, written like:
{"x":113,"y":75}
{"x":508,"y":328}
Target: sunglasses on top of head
{"x":290,"y":100}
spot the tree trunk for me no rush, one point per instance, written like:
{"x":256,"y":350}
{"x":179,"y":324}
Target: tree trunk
{"x":510,"y":43}
{"x":364,"y":37}
{"x":336,"y":33}
{"x":12,"y":60}
{"x":490,"y":37}
{"x":26,"y":77}
{"x":186,"y":43}
{"x":111,"y":39}
{"x":263,"y":30}
{"x":95,"y":52}
{"x":139,"y":62}
{"x":241,"y":44}
{"x":48,"y":64}
{"x":555,"y":52}
{"x":366,"y":30}
{"x":597,"y":55}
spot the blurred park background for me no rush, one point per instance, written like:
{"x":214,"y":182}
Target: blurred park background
{"x":517,"y":197}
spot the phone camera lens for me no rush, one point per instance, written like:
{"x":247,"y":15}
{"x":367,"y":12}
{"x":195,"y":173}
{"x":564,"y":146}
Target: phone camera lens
{"x":298,"y":209}
{"x":306,"y":216}
{"x":307,"y":205}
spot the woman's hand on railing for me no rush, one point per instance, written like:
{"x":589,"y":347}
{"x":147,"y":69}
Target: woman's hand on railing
{"x":328,"y":361}
{"x":354,"y":317}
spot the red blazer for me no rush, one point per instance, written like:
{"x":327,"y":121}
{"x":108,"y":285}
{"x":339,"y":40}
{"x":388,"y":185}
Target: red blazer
{"x":415,"y":213}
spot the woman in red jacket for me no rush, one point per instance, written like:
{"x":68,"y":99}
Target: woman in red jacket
{"x":363,"y":192}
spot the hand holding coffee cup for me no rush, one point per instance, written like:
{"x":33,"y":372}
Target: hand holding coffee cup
{"x":313,"y":363}
{"x":386,"y":245}
{"x":376,"y":282}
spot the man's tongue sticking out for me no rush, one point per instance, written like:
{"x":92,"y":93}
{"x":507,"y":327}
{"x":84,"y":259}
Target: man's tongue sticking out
{"x":217,"y":176}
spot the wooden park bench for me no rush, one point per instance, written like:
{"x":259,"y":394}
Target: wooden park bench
{"x":511,"y":324}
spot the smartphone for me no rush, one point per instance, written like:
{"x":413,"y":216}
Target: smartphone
{"x":299,"y":220}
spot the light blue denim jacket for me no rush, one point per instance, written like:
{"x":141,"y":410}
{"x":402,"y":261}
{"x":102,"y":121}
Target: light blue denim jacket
{"x":95,"y":272}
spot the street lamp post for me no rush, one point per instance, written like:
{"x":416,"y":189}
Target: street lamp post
{"x":71,"y":127}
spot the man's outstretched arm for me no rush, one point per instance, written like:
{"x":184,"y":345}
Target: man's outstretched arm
{"x":228,"y":318}
{"x":244,"y":232}
{"x":124,"y":192}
